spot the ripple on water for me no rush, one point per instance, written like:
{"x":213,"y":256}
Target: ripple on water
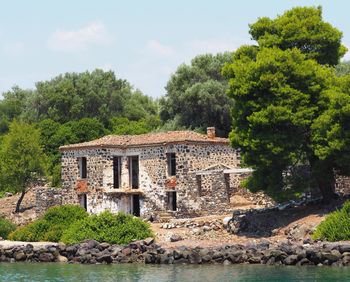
{"x":159,"y":273}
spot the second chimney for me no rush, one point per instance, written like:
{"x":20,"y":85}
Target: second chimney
{"x":211,"y":132}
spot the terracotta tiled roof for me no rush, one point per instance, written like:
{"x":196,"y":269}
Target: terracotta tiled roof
{"x":147,"y":140}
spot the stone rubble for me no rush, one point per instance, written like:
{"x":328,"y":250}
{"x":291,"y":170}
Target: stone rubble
{"x":146,"y":251}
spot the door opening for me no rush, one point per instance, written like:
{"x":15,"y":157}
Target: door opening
{"x":171,"y":201}
{"x":135,"y":205}
{"x":83,"y":201}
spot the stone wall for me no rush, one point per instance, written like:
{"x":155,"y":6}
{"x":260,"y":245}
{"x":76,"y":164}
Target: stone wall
{"x":153,"y":178}
{"x":342,"y":185}
{"x":47,"y":197}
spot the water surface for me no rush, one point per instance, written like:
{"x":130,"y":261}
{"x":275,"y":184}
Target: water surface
{"x":159,"y":273}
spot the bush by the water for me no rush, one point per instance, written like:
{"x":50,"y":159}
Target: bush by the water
{"x":107,"y":227}
{"x":6,"y":227}
{"x":51,"y":226}
{"x":336,"y":226}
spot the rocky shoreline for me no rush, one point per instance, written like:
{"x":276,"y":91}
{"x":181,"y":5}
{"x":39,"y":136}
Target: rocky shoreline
{"x":146,"y":251}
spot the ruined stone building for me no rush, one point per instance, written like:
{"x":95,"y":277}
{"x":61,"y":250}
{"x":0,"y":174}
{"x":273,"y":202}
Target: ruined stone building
{"x":180,"y":172}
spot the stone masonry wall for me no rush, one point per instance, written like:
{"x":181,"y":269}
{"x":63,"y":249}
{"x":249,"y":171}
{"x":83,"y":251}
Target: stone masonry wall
{"x":153,"y":176}
{"x":47,"y":197}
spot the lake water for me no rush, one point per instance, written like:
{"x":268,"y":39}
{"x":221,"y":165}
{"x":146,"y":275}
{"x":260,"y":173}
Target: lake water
{"x":158,"y":273}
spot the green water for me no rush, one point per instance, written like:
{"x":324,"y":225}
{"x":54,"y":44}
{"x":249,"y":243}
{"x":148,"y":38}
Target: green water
{"x":156,"y":273}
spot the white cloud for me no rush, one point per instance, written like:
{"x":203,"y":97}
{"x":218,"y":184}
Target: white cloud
{"x":159,"y":49}
{"x":79,"y":40}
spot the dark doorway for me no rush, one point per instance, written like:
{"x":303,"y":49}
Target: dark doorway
{"x":136,"y":205}
{"x":134,"y":171}
{"x":83,"y":201}
{"x":172,"y":201}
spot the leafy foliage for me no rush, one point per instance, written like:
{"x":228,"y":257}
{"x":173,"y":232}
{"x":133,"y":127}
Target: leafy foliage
{"x":124,"y":126}
{"x":282,"y":116}
{"x":331,"y":132}
{"x":302,"y":28}
{"x":196,"y":95}
{"x":73,"y":96}
{"x":78,"y":107}
{"x":51,"y":226}
{"x":107,"y":227}
{"x":6,"y":227}
{"x":22,"y":161}
{"x":336,"y":226}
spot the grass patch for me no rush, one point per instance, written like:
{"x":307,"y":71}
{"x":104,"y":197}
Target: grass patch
{"x":336,"y":226}
{"x":6,"y":227}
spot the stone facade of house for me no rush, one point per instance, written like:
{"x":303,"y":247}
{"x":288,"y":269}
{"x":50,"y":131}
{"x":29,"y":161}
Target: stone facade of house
{"x":180,"y":172}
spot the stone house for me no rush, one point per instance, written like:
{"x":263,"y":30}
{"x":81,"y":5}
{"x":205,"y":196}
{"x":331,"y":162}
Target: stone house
{"x":183,"y":173}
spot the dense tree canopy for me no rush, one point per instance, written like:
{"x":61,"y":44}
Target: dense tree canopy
{"x":78,"y":107}
{"x":22,"y":161}
{"x":302,"y":28}
{"x":196,"y":95}
{"x":287,"y":103}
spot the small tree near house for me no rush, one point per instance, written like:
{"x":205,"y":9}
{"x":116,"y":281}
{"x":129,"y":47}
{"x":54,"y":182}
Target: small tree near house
{"x":22,"y":161}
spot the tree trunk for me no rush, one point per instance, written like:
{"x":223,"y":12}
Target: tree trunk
{"x":325,"y":179}
{"x":327,"y":189}
{"x":18,"y":205}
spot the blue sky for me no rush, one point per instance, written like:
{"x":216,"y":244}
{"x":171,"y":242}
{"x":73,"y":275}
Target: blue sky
{"x":141,"y":41}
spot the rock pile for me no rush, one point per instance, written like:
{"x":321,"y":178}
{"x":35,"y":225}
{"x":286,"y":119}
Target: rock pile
{"x":204,"y":226}
{"x":93,"y":252}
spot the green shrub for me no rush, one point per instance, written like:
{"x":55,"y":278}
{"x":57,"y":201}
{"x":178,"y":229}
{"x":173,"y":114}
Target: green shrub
{"x":107,"y":227}
{"x":51,"y":226}
{"x":336,"y":226}
{"x":6,"y":227}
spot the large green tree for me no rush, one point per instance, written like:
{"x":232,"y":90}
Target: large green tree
{"x":96,"y":94}
{"x":22,"y":161}
{"x":281,"y":90}
{"x":196,"y":95}
{"x":77,"y":107}
{"x":302,"y":28}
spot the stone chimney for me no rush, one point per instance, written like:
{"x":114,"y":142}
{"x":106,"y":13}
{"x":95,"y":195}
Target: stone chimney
{"x":211,"y":132}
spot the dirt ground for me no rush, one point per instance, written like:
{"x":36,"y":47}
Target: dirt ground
{"x":222,"y":237}
{"x":283,"y":224}
{"x":27,"y":214}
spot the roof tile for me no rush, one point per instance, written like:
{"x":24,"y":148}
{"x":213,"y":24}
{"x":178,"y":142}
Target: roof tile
{"x":147,"y":139}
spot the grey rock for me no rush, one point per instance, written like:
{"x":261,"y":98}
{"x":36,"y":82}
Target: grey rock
{"x":126,"y":251}
{"x":331,"y":256}
{"x":104,"y":245}
{"x":226,"y":262}
{"x":148,"y":241}
{"x":82,"y":252}
{"x":62,"y":259}
{"x":20,"y":256}
{"x":46,"y":257}
{"x":291,"y":260}
{"x":344,"y":248}
{"x":105,"y":258}
{"x":175,"y":238}
{"x":305,"y":261}
{"x":195,"y":258}
{"x":89,"y":244}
